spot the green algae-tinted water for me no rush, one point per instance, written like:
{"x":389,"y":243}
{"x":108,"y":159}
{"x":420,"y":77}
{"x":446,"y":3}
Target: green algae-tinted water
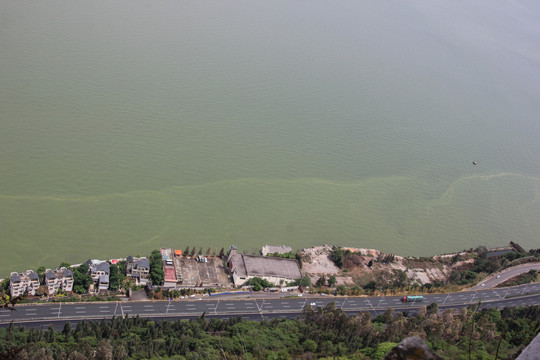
{"x":126,"y":127}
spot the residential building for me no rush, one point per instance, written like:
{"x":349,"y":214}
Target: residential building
{"x":271,"y":249}
{"x":51,"y":281}
{"x":98,"y":268}
{"x":27,"y":281}
{"x":103,"y":282}
{"x":59,"y":279}
{"x":277,"y":271}
{"x":138,"y":269}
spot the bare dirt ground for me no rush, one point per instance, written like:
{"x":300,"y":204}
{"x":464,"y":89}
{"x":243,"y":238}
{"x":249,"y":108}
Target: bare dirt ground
{"x":206,"y":274}
{"x":315,"y":263}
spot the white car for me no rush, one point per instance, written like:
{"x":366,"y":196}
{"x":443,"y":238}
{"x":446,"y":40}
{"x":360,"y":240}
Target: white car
{"x":483,"y":284}
{"x":300,"y":295}
{"x":313,"y":304}
{"x":498,"y":276}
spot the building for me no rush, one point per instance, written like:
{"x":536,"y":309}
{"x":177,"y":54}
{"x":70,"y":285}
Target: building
{"x":59,"y":279}
{"x":27,"y":281}
{"x":98,"y":268}
{"x":277,"y":271}
{"x":51,"y":282}
{"x":138,"y":269}
{"x":167,"y":257}
{"x":271,"y":249}
{"x":103,"y":283}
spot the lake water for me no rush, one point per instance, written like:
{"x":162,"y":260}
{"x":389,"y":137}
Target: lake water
{"x":127,"y":126}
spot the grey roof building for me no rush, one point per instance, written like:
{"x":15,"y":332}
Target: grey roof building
{"x":27,"y":281}
{"x":98,"y":268}
{"x":278,"y":271}
{"x":138,"y":269}
{"x":58,"y":279}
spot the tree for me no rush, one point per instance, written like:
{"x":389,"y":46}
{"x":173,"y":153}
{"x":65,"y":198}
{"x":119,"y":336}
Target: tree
{"x":82,"y":279}
{"x":304,"y":281}
{"x":332,"y":281}
{"x":115,"y":277}
{"x":156,"y":268}
{"x":432,"y":308}
{"x":321,"y":281}
{"x":310,"y":346}
{"x":64,"y":264}
{"x":186,"y":252}
{"x":200,"y":251}
{"x":222,"y":252}
{"x":193,"y":251}
{"x":104,"y":351}
{"x":208,"y":251}
{"x":42,"y":290}
{"x":67,"y":331}
{"x":258,"y":283}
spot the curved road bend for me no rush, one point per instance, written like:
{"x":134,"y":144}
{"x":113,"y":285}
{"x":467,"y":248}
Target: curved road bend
{"x":258,"y":309}
{"x":501,"y":276}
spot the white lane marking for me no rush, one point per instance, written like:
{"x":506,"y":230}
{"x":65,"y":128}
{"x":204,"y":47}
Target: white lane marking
{"x":80,"y":307}
{"x":80,"y":312}
{"x":103,"y":311}
{"x":30,"y":310}
{"x":3,"y":315}
{"x":30,"y":314}
{"x":103,"y":307}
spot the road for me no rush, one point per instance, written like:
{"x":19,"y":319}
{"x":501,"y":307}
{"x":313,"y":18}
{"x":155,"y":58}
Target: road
{"x":500,"y":277}
{"x":257,"y":308}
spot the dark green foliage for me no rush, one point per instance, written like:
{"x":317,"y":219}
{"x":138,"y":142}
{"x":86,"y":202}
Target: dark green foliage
{"x":463,"y":277}
{"x":332,"y":281}
{"x":82,"y":279}
{"x":156,"y":268}
{"x":288,"y":255}
{"x":116,"y":277}
{"x":338,"y":256}
{"x":304,"y":281}
{"x":321,"y":281}
{"x":320,"y":332}
{"x":258,"y":283}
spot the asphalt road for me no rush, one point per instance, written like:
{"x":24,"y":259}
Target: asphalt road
{"x":502,"y":276}
{"x":257,"y":308}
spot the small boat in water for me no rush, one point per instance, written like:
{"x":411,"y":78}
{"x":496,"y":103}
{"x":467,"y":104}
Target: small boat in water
{"x":474,"y":163}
